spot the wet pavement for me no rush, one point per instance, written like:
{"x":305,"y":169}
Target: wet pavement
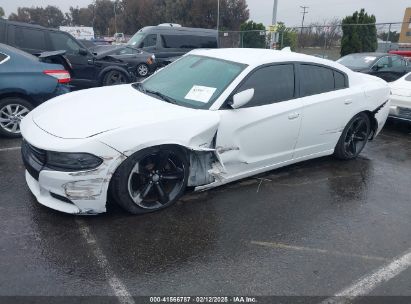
{"x":305,"y":230}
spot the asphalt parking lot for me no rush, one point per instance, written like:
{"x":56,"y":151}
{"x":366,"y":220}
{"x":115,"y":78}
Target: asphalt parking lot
{"x":312,"y":229}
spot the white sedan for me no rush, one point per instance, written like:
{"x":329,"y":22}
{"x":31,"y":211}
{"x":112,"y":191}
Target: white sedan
{"x":210,"y":118}
{"x":401,"y":98}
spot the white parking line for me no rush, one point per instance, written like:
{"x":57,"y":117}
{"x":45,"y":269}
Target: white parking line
{"x":369,"y":282}
{"x":317,"y":250}
{"x":10,"y":149}
{"x":118,"y":287}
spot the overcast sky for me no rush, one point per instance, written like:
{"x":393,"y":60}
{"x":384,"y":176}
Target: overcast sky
{"x":260,"y":10}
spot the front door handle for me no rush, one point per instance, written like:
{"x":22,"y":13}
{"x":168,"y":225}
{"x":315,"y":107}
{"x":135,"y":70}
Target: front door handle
{"x":293,"y":116}
{"x":348,"y":101}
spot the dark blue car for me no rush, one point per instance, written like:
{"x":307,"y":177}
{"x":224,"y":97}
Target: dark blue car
{"x":25,"y":82}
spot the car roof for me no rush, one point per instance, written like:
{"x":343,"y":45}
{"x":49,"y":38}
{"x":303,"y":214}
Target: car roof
{"x":32,"y":25}
{"x":374,"y":54}
{"x":256,"y":57}
{"x":177,"y":29}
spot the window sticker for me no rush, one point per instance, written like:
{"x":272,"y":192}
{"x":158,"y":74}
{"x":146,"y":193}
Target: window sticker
{"x":200,"y":93}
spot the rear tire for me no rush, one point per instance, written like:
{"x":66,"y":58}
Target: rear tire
{"x":12,"y":111}
{"x":354,"y":137}
{"x":151,"y":179}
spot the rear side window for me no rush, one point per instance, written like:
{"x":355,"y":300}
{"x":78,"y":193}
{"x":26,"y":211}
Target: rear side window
{"x":408,"y":78}
{"x":398,"y":62}
{"x":315,"y":80}
{"x":3,"y":57}
{"x":271,"y":84}
{"x":61,"y":41}
{"x":188,"y":41}
{"x":33,"y":39}
{"x":339,"y":81}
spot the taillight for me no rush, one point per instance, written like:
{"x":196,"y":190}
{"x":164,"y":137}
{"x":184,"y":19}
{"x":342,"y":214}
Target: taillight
{"x":61,"y":75}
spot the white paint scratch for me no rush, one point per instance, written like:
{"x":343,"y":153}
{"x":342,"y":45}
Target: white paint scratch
{"x":317,"y":250}
{"x":10,"y":149}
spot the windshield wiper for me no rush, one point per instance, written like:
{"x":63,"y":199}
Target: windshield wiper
{"x":139,"y":86}
{"x":161,"y":95}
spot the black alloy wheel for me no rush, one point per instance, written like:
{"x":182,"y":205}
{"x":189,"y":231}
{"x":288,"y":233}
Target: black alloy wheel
{"x":114,"y":78}
{"x":151,"y":179}
{"x":354,"y":137}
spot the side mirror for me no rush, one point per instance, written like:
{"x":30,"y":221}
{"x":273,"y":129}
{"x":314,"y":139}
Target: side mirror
{"x":83,"y":52}
{"x":242,"y":98}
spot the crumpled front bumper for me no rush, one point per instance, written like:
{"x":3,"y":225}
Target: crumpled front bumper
{"x":83,"y":192}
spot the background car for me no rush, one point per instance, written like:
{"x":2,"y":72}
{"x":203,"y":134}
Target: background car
{"x":26,"y":82}
{"x":210,"y":118}
{"x":389,"y":67}
{"x":87,"y":70}
{"x":168,"y":41}
{"x":401,"y":98}
{"x":140,"y":63}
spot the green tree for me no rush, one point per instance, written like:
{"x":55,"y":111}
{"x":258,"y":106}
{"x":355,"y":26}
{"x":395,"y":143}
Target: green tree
{"x":392,"y":36}
{"x":359,"y":33}
{"x":287,"y":36}
{"x":1,"y":12}
{"x":251,"y":35}
{"x":50,"y":16}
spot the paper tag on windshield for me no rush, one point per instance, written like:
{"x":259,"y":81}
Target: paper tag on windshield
{"x":200,"y":93}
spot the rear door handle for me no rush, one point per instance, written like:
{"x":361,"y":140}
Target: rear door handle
{"x":348,"y":101}
{"x":293,"y":116}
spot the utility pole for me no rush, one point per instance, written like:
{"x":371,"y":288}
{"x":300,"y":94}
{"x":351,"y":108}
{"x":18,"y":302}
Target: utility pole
{"x":218,"y":15}
{"x":304,"y":12}
{"x":115,"y":16}
{"x":274,"y":22}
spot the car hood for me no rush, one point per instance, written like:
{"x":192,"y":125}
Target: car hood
{"x":91,"y":112}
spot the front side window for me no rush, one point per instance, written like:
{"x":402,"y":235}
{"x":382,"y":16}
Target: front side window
{"x":315,"y":80}
{"x":194,"y":81}
{"x":271,"y":84}
{"x":136,"y":39}
{"x":383,"y":62}
{"x":149,"y":41}
{"x":62,"y":41}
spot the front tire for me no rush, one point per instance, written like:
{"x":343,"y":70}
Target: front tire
{"x":114,"y":77}
{"x":151,"y":179}
{"x":142,"y":70}
{"x":12,"y":111}
{"x":354,"y":137}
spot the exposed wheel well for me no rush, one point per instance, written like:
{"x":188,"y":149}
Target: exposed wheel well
{"x":374,"y":123}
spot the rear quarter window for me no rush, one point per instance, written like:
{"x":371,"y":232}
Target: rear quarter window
{"x":340,"y":80}
{"x":3,"y":58}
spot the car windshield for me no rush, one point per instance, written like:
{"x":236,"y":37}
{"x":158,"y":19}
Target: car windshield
{"x":136,"y":39}
{"x":193,"y":81}
{"x":360,"y":61}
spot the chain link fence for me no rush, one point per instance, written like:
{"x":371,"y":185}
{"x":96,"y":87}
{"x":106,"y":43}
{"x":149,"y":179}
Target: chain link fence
{"x":319,"y":40}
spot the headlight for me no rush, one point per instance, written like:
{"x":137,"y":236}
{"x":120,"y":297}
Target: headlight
{"x":72,"y":161}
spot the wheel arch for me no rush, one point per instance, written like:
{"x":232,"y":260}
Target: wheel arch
{"x":18,"y":94}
